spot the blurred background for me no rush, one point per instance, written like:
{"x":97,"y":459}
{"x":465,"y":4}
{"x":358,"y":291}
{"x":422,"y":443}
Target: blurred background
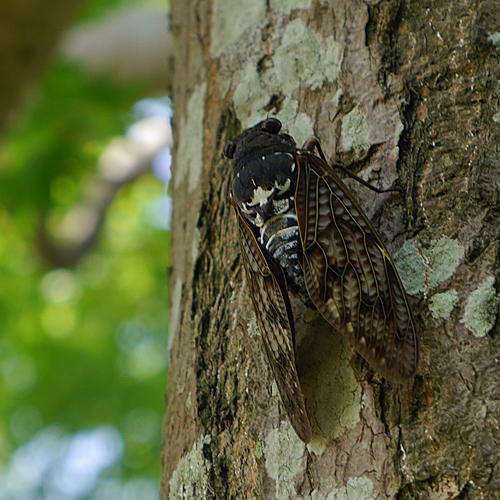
{"x":84,"y":242}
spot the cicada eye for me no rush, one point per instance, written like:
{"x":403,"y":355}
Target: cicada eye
{"x":271,"y":125}
{"x":229,"y":149}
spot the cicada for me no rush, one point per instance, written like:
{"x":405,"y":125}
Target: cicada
{"x":303,"y":234}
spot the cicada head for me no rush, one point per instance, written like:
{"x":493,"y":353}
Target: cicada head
{"x":263,"y":164}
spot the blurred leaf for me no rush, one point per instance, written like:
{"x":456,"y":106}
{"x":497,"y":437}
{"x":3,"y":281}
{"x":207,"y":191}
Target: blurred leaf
{"x":80,"y":348}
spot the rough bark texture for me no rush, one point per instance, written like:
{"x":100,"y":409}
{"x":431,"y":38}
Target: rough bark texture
{"x":404,"y":91}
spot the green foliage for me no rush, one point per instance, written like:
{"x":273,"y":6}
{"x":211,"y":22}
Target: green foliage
{"x":60,"y":136}
{"x":84,"y":347}
{"x":97,"y":8}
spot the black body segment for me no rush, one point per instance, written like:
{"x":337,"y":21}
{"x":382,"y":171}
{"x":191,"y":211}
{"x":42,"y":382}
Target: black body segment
{"x":302,"y":232}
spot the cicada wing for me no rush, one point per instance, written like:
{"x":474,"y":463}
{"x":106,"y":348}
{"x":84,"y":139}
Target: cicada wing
{"x":275,"y":321}
{"x":349,"y":274}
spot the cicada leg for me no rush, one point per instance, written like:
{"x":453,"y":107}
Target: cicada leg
{"x":312,"y":144}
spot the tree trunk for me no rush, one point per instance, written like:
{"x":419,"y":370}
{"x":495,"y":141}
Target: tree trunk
{"x":404,"y":93}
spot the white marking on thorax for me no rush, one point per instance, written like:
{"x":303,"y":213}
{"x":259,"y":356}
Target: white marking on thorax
{"x":260,"y":196}
{"x":281,"y":206}
{"x":283,"y":187}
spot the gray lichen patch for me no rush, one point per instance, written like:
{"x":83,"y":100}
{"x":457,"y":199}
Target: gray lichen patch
{"x":285,"y":460}
{"x":250,"y":95}
{"x":441,"y":304}
{"x":412,"y":268}
{"x":259,"y":449}
{"x":444,"y":256}
{"x":252,"y":327}
{"x":190,"y":478}
{"x":318,"y":445}
{"x":189,"y":153}
{"x":303,"y":57}
{"x":358,"y":488}
{"x":227,"y":29}
{"x":175,"y":313}
{"x":494,"y":38}
{"x":423,"y":269}
{"x":298,"y":125}
{"x":286,"y":6}
{"x":355,"y":135}
{"x":481,"y":308}
{"x":195,"y":245}
{"x":336,"y":99}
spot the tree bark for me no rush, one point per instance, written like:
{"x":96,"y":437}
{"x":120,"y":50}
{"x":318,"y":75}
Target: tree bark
{"x":404,"y":92}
